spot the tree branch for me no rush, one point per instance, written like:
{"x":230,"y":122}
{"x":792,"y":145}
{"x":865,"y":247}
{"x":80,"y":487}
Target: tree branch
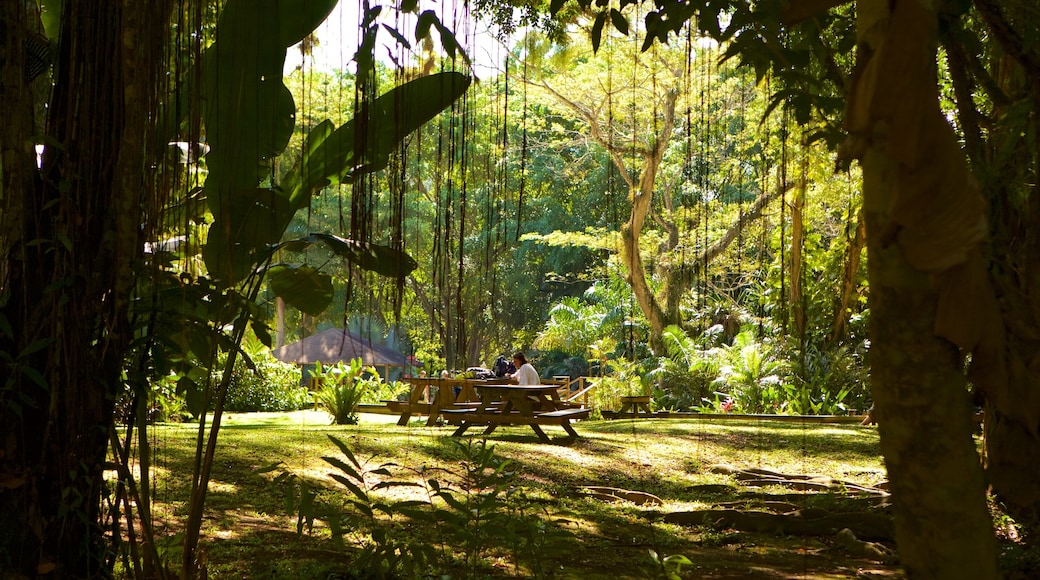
{"x":1009,"y":38}
{"x":753,"y":213}
{"x":597,"y":134}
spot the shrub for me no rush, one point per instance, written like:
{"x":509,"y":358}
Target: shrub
{"x":625,"y":378}
{"x":342,"y":389}
{"x":830,"y":380}
{"x":753,"y":377}
{"x":272,"y":386}
{"x":379,"y":391}
{"x":685,"y":376}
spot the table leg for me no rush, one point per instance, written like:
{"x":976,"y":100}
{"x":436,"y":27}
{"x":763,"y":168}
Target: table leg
{"x":567,"y":427}
{"x":436,"y":405}
{"x":462,"y":429}
{"x":414,"y":398}
{"x":541,"y":434}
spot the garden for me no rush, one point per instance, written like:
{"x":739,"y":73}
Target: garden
{"x":738,"y":229}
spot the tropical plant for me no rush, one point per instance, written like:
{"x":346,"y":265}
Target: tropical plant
{"x":752,"y":376}
{"x":384,"y":554}
{"x":478,"y":507}
{"x":342,"y":387}
{"x":379,"y":391}
{"x":685,"y":377}
{"x":621,"y":378}
{"x":829,"y":381}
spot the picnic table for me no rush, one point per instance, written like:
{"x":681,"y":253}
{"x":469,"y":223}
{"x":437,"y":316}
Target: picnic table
{"x":430,"y":396}
{"x":504,"y":404}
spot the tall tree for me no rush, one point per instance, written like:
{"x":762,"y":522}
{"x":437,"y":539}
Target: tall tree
{"x":636,"y":116}
{"x":72,"y":240}
{"x":924,"y":227}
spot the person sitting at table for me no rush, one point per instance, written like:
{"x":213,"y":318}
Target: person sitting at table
{"x":525,"y":373}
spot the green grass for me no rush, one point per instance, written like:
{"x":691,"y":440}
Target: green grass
{"x":249,"y":534}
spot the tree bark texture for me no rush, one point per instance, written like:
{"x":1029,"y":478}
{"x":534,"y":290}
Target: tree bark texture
{"x":930,"y":295}
{"x":1008,"y":160}
{"x":69,"y":270}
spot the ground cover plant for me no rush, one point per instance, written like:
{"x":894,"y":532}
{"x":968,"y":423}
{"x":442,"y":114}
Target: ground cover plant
{"x":511,"y":506}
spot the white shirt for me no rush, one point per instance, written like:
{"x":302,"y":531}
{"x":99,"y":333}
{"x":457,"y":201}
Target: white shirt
{"x":526,"y":375}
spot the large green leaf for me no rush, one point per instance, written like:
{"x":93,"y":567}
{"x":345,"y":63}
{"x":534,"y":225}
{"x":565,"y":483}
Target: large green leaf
{"x":246,"y":226}
{"x":298,"y":19}
{"x":376,"y":258}
{"x":386,"y":121}
{"x":302,"y":287}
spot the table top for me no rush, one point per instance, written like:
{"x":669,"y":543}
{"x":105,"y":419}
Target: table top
{"x":518,"y":388}
{"x":439,"y":380}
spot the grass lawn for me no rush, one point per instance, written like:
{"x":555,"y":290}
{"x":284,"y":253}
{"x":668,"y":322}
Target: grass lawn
{"x":537,"y":518}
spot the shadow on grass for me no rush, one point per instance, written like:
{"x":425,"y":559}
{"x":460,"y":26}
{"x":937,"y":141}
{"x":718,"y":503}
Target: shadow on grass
{"x":558,"y":531}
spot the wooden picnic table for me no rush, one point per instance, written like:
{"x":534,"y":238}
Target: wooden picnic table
{"x":532,"y":405}
{"x":431,"y":396}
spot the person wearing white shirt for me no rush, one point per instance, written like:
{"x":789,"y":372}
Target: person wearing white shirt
{"x":525,"y":373}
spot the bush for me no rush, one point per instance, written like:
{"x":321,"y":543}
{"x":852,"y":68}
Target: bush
{"x":342,"y":389}
{"x":379,"y":391}
{"x":625,"y":378}
{"x":273,"y":386}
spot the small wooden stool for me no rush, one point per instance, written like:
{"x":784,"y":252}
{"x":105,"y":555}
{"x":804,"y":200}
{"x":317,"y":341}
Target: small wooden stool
{"x":632,"y":405}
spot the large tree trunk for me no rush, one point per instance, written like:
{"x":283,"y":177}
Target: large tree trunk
{"x":929,"y":293}
{"x":69,"y":271}
{"x":1009,"y":160}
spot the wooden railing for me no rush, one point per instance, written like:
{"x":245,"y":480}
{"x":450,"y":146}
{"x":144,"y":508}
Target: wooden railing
{"x":574,"y":390}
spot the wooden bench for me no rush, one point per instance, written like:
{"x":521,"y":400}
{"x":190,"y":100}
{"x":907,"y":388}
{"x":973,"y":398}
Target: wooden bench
{"x":407,"y":409}
{"x":632,"y":405}
{"x":466,"y":418}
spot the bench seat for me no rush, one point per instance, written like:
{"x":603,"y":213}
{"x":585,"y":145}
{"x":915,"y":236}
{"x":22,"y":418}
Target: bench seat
{"x":492,"y":418}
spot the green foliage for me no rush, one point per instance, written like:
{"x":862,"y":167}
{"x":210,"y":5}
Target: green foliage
{"x":621,"y":378}
{"x":378,"y":391}
{"x":752,"y":375}
{"x":477,"y":508}
{"x":829,"y":381}
{"x":384,"y":553}
{"x":671,"y":566}
{"x":270,"y":385}
{"x":342,"y":387}
{"x":558,"y":363}
{"x":686,"y":376}
{"x":483,"y":506}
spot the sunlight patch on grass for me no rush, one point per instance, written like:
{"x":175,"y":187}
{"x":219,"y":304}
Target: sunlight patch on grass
{"x":222,"y":487}
{"x":112,"y":475}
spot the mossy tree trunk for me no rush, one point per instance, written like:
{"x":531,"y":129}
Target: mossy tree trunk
{"x":925,"y":222}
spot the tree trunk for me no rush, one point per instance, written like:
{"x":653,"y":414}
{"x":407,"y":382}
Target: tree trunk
{"x":925,"y":221}
{"x":641,"y":199}
{"x":794,"y":290}
{"x":69,"y":270}
{"x":848,"y":279}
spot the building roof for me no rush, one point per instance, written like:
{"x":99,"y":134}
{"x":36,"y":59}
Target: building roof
{"x":335,"y":345}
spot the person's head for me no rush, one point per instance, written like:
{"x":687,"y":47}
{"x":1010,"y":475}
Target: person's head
{"x":519,"y":359}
